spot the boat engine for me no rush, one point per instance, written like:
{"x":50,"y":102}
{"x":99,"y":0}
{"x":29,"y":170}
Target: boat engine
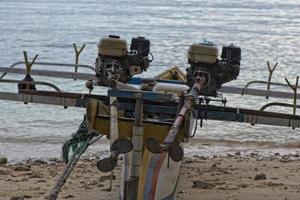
{"x":203,"y":59}
{"x":115,"y":62}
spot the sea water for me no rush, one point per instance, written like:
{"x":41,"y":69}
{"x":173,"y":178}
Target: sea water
{"x":266,"y":30}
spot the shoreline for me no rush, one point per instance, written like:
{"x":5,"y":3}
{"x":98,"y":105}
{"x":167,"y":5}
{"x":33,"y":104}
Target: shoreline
{"x":206,"y":147}
{"x":233,"y":176}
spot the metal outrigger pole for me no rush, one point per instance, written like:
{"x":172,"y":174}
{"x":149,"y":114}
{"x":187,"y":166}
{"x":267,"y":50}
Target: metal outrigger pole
{"x":173,"y":148}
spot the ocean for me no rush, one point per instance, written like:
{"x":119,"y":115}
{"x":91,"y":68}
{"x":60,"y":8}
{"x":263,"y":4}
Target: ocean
{"x":266,"y":30}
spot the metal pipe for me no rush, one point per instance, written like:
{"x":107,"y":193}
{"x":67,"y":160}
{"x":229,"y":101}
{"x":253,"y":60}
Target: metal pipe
{"x":56,"y":74}
{"x":188,"y":103}
{"x":174,"y":149}
{"x":278,"y":104}
{"x":31,"y":83}
{"x":257,"y":92}
{"x":47,"y":64}
{"x":119,"y":85}
{"x":262,"y":82}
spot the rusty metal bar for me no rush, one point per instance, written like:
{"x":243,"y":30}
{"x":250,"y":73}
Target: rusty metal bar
{"x":188,"y":103}
{"x":174,"y":149}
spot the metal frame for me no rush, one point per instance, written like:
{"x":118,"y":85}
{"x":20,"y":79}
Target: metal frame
{"x":29,"y":65}
{"x":258,"y":92}
{"x":245,"y":88}
{"x":278,"y":104}
{"x":12,"y":69}
{"x":56,"y":74}
{"x":31,"y":83}
{"x":269,"y":82}
{"x":140,"y":102}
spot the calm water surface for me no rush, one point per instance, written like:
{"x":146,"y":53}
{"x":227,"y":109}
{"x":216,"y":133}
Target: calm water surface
{"x":264,"y":29}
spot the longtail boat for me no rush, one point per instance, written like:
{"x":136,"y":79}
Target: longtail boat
{"x":147,"y":120}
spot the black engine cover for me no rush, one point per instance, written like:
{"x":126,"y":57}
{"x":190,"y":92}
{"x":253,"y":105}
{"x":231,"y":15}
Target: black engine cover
{"x":235,"y":53}
{"x":141,"y":45}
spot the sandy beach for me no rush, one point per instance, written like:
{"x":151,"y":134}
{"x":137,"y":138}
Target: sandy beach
{"x":232,"y":157}
{"x":219,"y":177}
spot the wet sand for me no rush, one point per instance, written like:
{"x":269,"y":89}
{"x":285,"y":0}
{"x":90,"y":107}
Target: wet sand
{"x":224,"y":177}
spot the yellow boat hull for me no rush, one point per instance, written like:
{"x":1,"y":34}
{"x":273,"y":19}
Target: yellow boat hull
{"x":158,"y":173}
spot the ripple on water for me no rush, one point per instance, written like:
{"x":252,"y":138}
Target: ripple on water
{"x":265,"y":30}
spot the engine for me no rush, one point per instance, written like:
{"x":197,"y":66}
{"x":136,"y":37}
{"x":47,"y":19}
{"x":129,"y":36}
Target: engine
{"x":114,"y":61}
{"x":203,"y":59}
